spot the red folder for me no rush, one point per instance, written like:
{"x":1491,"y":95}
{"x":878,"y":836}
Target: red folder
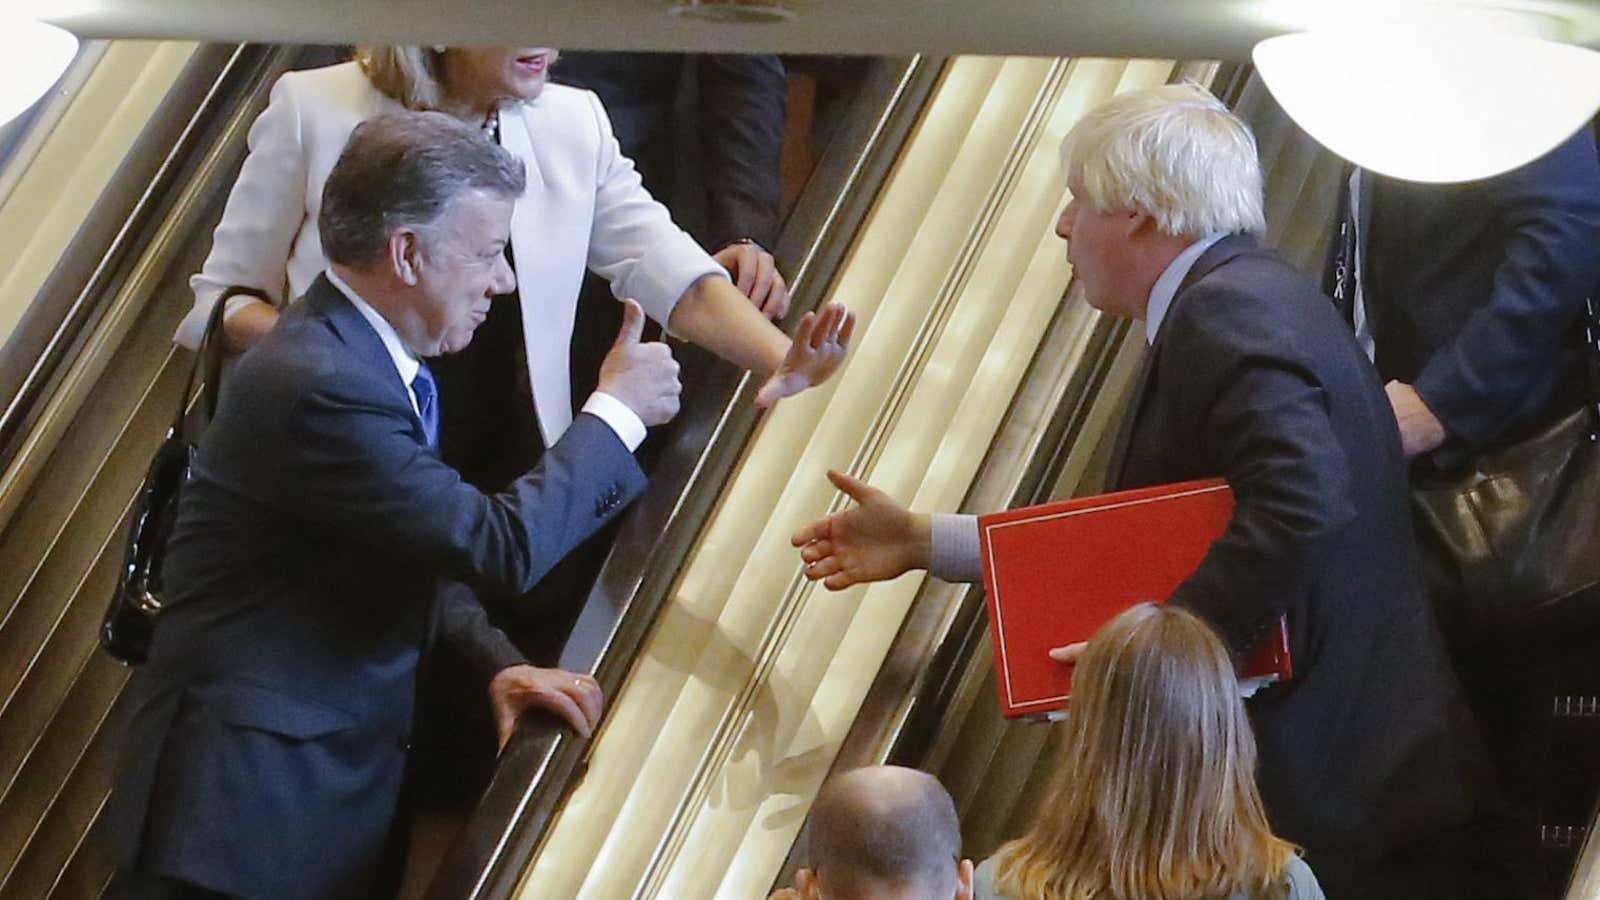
{"x":1056,"y":572}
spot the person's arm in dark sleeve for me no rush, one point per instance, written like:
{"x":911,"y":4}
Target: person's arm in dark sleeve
{"x":743,"y":102}
{"x":1268,"y":432}
{"x":464,"y":625}
{"x":358,"y":469}
{"x":1550,"y":208}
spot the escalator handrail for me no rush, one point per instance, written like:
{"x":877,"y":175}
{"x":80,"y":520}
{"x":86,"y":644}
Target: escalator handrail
{"x":231,"y":82}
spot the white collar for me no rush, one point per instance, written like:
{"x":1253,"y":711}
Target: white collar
{"x":1165,"y":290}
{"x":404,"y":362}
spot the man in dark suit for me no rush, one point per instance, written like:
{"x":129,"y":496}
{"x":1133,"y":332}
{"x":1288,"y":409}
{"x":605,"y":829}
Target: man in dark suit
{"x":270,"y":727}
{"x":1470,"y":298}
{"x":1367,"y":758}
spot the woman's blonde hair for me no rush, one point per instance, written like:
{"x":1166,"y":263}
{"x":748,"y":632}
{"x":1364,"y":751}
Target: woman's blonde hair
{"x":1155,"y":796}
{"x":1174,"y":152}
{"x":408,"y":74}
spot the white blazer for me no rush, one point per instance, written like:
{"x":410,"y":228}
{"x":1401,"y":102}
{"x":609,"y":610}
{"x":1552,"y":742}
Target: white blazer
{"x":584,"y":208}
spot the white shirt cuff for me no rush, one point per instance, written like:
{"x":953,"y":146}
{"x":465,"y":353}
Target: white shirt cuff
{"x":624,"y":421}
{"x":954,"y":553}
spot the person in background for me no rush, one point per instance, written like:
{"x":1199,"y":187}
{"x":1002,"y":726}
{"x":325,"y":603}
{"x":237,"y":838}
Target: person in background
{"x":1368,"y":756}
{"x":1470,"y":298}
{"x":706,"y":134}
{"x":716,"y":168}
{"x":882,"y":833}
{"x":1155,"y":793}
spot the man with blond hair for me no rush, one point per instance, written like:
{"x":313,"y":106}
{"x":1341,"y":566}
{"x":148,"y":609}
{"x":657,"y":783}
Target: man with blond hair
{"x":1368,"y":759}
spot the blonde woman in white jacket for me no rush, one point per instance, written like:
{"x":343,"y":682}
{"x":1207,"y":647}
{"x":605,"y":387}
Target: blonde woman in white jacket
{"x":584,"y":209}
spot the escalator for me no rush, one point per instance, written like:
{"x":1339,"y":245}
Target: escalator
{"x":111,"y":193}
{"x":979,"y":380}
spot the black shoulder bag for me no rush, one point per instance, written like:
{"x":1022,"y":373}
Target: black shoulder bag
{"x":1515,"y":536}
{"x":130,"y":620}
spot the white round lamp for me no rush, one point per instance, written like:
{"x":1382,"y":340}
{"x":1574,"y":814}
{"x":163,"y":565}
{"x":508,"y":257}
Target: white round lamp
{"x":34,"y":55}
{"x":1442,"y":103}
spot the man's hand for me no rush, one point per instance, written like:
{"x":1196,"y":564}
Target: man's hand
{"x":875,"y":540}
{"x":1069,"y":654}
{"x":516,"y":689}
{"x":1420,"y":430}
{"x":643,"y":375}
{"x":818,"y":348}
{"x":756,"y":274}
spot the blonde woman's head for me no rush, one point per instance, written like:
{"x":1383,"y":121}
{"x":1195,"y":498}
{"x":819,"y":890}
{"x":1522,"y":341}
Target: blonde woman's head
{"x":467,"y":80}
{"x":1155,"y":797}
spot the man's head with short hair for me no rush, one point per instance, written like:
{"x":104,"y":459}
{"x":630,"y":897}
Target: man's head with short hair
{"x":1174,"y":152}
{"x":884,"y":833}
{"x":1151,"y":172}
{"x":418,"y":211}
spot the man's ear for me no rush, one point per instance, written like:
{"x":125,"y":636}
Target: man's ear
{"x":964,"y":880}
{"x":403,"y":251}
{"x":805,"y":881}
{"x":1139,"y":222}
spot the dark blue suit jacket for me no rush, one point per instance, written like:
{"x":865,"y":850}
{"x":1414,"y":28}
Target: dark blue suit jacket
{"x":269,"y":728}
{"x":1255,"y":378}
{"x":1475,"y":290}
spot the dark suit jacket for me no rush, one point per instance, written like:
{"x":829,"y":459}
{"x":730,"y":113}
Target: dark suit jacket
{"x":1474,"y":291}
{"x":269,"y":728}
{"x":713,"y":160}
{"x":1255,"y":378}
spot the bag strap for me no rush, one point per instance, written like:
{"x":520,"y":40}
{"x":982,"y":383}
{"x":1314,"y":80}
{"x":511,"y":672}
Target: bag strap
{"x":1591,"y":366}
{"x":208,"y":356}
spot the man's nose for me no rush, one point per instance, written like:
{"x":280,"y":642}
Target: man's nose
{"x":504,"y":278}
{"x":1064,"y":223}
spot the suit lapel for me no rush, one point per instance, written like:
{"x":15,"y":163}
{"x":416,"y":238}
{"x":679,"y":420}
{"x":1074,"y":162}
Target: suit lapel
{"x":329,"y":303}
{"x":1143,"y":384}
{"x":1130,"y":415}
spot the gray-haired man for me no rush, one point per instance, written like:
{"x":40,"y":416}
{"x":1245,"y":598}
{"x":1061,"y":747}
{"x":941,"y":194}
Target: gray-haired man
{"x":270,"y":727}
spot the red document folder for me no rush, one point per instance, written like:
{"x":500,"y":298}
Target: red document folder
{"x":1056,"y":572}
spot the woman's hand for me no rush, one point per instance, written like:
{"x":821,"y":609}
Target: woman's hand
{"x":755,"y":273}
{"x":818,"y":348}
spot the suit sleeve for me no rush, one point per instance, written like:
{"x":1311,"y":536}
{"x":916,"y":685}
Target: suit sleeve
{"x":634,"y":243}
{"x":265,"y":211}
{"x":357,"y":468}
{"x":1263,"y":422}
{"x":1550,"y":211}
{"x":743,"y":99}
{"x":464,"y":624}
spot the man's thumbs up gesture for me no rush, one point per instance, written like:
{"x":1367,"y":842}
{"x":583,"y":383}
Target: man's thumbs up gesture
{"x":642,"y":375}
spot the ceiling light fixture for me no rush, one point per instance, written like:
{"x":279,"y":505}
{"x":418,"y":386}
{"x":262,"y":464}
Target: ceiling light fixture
{"x":1446,"y":99}
{"x":747,"y":12}
{"x":35,"y":55}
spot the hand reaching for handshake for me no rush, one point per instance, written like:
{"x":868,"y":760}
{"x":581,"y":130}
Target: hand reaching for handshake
{"x":874,"y":539}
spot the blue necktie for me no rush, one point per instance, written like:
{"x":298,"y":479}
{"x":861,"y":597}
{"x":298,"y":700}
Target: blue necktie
{"x":427,"y":403}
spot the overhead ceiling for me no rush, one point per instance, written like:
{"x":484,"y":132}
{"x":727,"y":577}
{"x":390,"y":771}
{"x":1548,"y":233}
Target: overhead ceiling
{"x":1194,"y":29}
